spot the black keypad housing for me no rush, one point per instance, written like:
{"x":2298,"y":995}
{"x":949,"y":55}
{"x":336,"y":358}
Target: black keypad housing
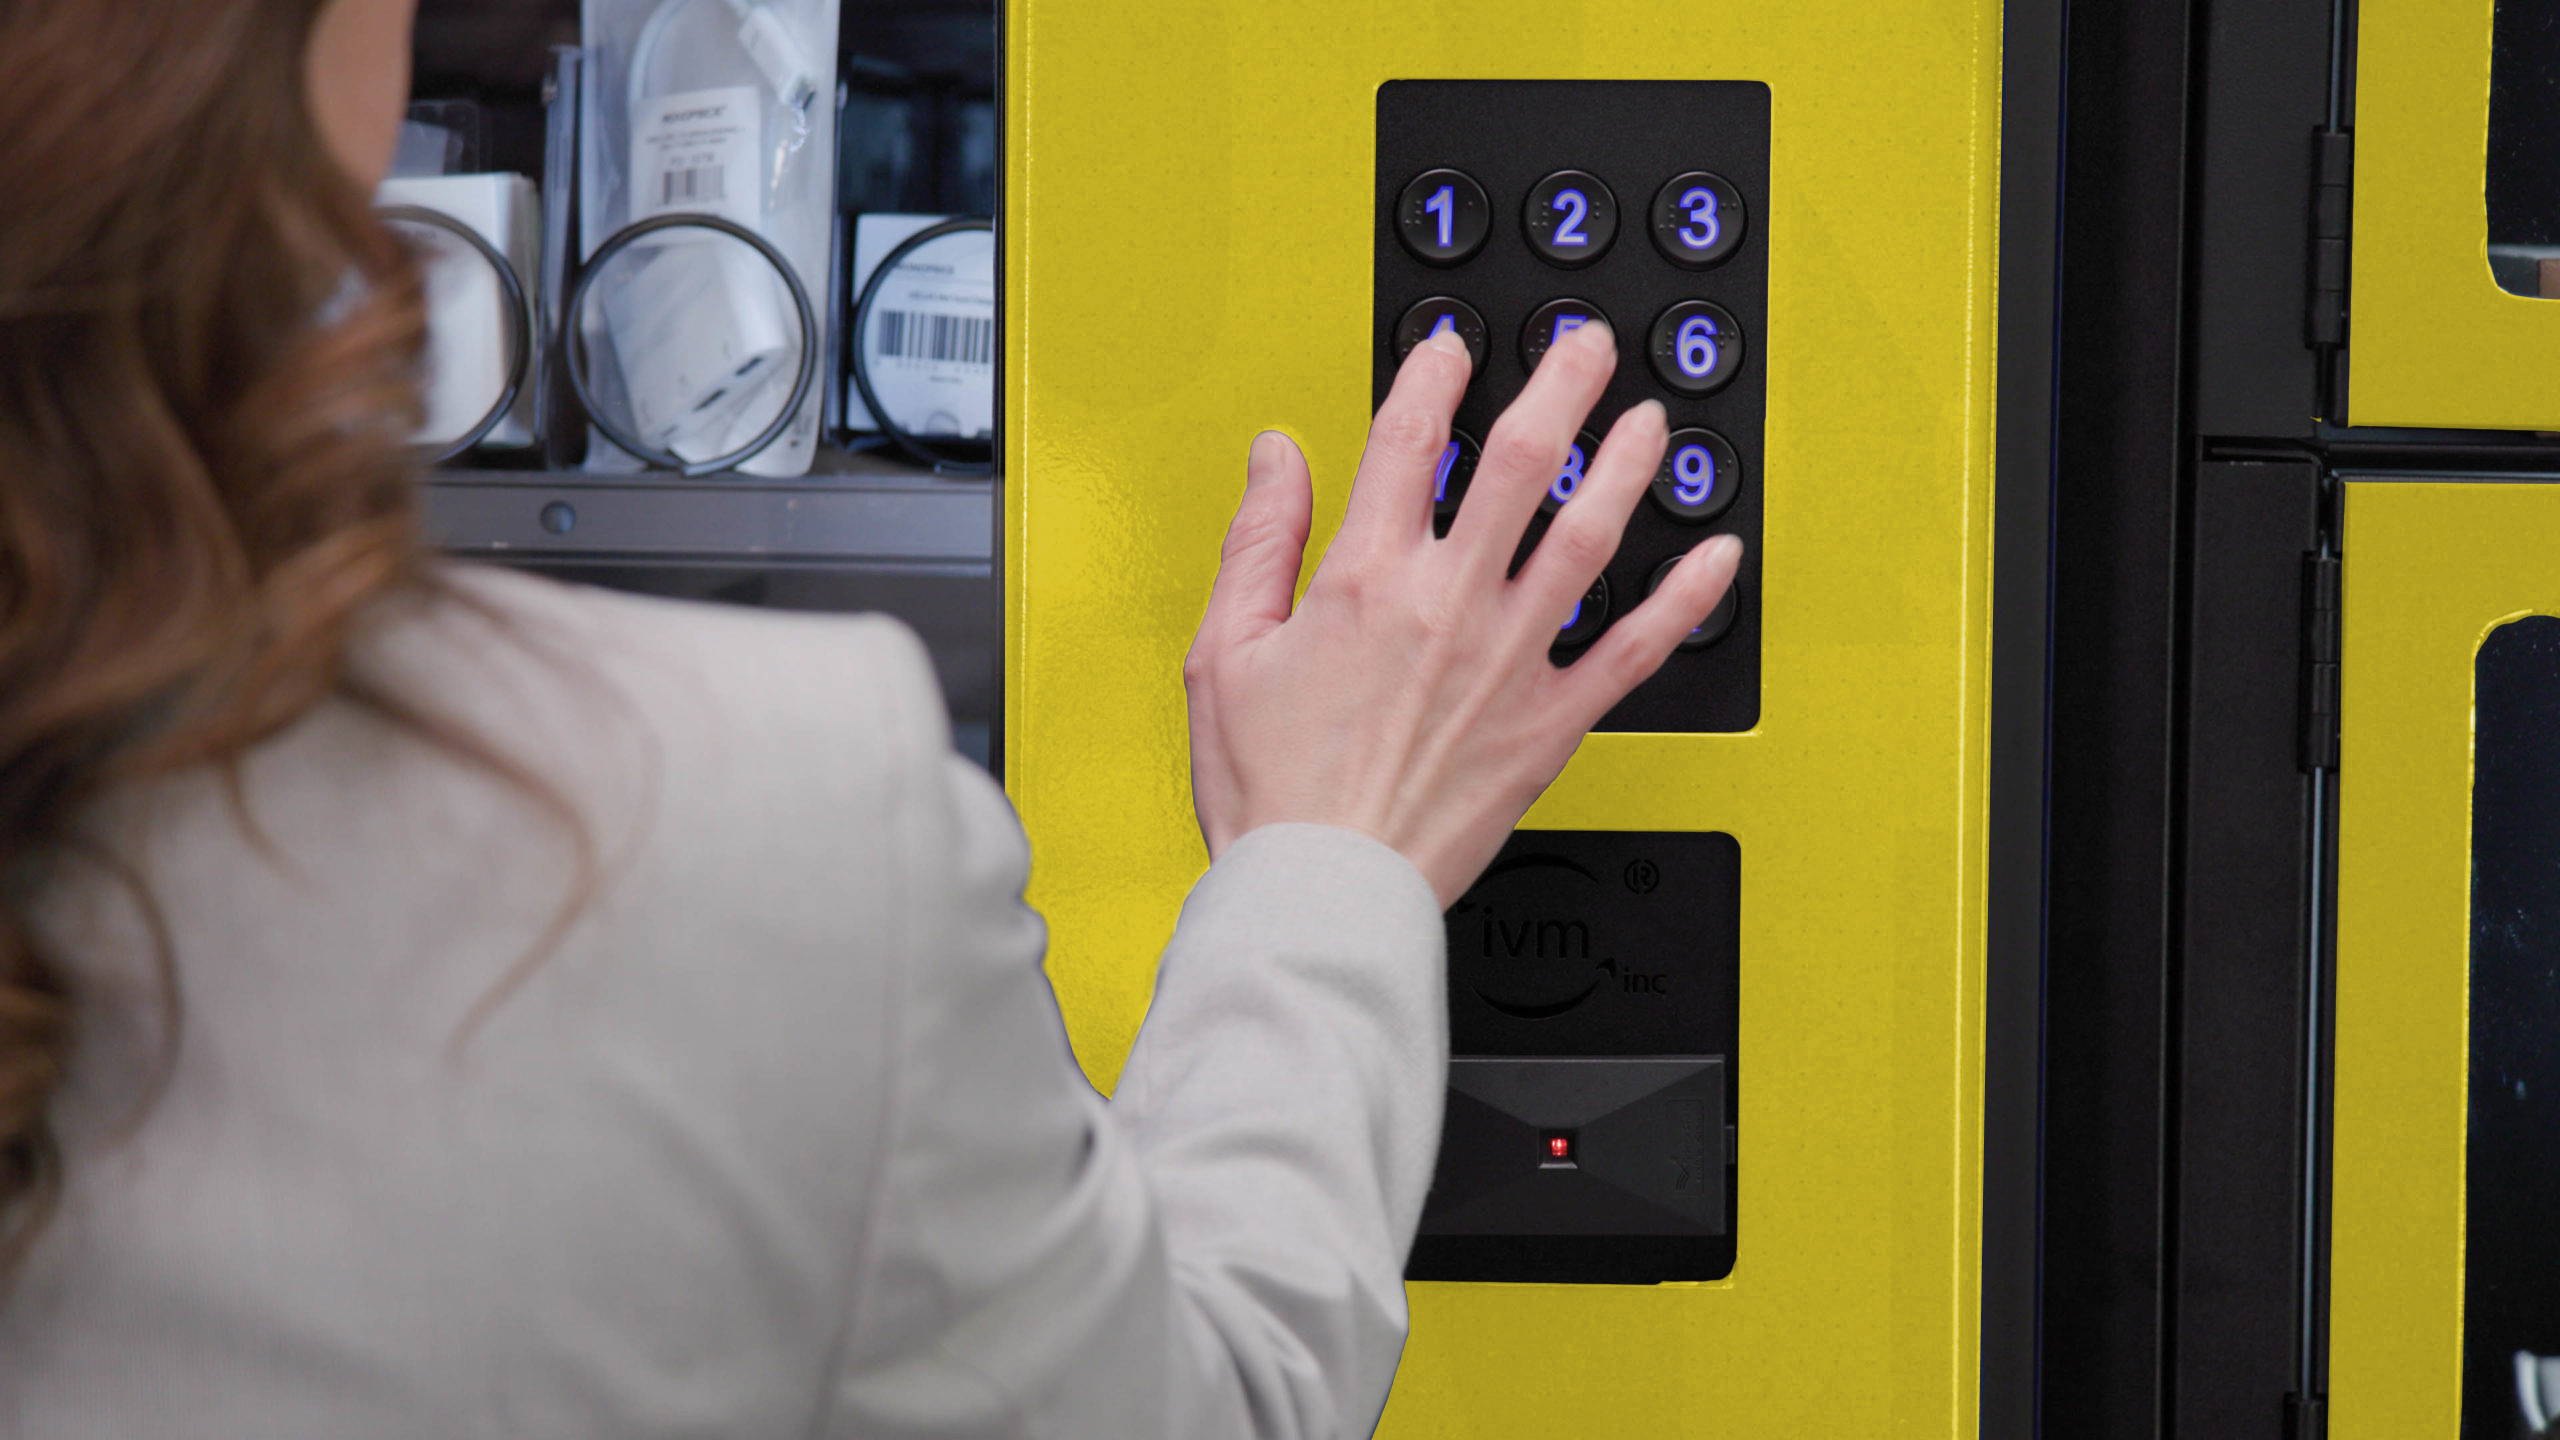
{"x":1636,"y":138}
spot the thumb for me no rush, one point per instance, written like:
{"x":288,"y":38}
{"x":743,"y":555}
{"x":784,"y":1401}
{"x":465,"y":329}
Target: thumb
{"x":1266,"y":543}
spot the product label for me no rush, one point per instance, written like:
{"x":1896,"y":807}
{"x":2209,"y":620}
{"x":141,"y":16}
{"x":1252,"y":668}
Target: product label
{"x":699,"y":152}
{"x":931,"y":347}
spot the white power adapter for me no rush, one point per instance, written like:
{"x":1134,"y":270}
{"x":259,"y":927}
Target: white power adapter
{"x":700,"y":334}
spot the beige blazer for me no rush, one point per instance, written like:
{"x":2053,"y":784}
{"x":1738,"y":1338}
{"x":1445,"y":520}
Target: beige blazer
{"x":782,"y":1139}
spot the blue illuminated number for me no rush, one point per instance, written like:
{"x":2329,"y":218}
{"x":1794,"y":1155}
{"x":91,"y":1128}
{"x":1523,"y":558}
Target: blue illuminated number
{"x":1697,"y":352}
{"x":1570,"y":231}
{"x":1693,"y":474}
{"x":1570,"y":619}
{"x":1448,"y":462}
{"x":1446,"y":324}
{"x":1444,"y":203}
{"x":1704,"y":227}
{"x":1565,"y":324}
{"x":1571,"y":480}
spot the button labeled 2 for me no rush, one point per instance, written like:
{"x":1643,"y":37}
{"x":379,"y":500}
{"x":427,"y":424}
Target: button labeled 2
{"x":1571,"y":218}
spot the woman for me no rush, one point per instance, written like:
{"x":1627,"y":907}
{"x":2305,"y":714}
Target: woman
{"x":436,"y":1002}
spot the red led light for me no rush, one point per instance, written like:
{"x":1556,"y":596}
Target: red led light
{"x":1559,"y":1147}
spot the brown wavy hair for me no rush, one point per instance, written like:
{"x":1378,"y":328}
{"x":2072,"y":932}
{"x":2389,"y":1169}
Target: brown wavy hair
{"x":208,"y":348}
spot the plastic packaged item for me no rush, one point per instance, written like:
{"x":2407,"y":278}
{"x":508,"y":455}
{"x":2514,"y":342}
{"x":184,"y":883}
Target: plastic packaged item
{"x":481,"y":320}
{"x":923,"y":336}
{"x":718,"y":109}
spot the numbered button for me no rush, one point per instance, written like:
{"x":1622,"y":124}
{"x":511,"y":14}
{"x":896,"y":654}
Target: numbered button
{"x":1449,"y":483}
{"x":1698,"y":219}
{"x":1719,"y":621}
{"x":1571,"y":218}
{"x":1569,"y":480}
{"x":1590,"y":616}
{"x":1443,"y":217}
{"x":1696,"y":347}
{"x":1555,"y":320}
{"x":1440,"y":313}
{"x":1699,"y":477}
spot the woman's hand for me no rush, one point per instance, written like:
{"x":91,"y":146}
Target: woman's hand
{"x":1411,"y":696}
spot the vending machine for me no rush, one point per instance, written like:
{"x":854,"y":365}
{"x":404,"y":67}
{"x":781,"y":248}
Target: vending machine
{"x":1767,"y":952}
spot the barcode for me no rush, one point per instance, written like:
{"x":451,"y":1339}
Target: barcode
{"x":708,"y":185}
{"x":919,"y":335}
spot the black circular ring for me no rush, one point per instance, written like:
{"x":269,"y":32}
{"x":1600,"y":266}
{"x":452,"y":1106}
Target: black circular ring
{"x":917,"y":447}
{"x":519,"y":314}
{"x":571,"y":341}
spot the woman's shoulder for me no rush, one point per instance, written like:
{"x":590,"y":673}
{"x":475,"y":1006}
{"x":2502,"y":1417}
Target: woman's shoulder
{"x":808,"y":695}
{"x":728,"y":751}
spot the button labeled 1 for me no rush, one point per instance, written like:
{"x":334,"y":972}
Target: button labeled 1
{"x":1571,"y":218}
{"x":1696,"y":347}
{"x":1555,"y":320}
{"x":1577,"y":459}
{"x":1443,"y":217}
{"x":1719,"y":621}
{"x":1442,"y":312}
{"x":1699,"y":477}
{"x":1698,"y":219}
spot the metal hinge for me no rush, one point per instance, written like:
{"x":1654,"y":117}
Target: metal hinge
{"x":2333,"y":172}
{"x":2306,"y":1417}
{"x":2320,"y":646}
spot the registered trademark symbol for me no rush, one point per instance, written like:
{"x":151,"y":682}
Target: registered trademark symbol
{"x":1643,"y":876}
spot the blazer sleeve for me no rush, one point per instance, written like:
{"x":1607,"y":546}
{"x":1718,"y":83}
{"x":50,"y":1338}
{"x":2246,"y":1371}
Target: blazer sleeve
{"x":1217,"y":1251}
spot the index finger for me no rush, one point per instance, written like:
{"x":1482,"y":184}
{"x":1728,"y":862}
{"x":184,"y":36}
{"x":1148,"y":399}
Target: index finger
{"x":1391,"y":498}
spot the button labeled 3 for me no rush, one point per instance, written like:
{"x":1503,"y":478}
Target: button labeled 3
{"x":1698,"y":219}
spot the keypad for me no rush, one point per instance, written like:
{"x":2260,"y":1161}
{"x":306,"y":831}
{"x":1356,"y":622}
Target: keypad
{"x":1687,"y":299}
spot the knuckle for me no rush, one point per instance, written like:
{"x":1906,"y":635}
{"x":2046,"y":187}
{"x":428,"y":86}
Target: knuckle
{"x":1583,"y":548}
{"x":1519,"y":439}
{"x":1197,"y":668}
{"x":1409,"y":433}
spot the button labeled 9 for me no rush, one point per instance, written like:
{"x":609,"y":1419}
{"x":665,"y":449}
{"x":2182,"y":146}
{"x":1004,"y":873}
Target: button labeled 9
{"x":1699,"y":477}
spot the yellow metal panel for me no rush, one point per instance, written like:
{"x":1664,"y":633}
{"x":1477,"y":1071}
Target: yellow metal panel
{"x":2432,"y":340}
{"x":2433,"y":569}
{"x":1188,"y":261}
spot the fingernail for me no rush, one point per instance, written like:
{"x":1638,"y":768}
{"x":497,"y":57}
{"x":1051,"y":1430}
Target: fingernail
{"x":1724,"y":547}
{"x":1264,"y":461}
{"x":1659,"y":412}
{"x":1448,"y":340}
{"x":1598,"y":329}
